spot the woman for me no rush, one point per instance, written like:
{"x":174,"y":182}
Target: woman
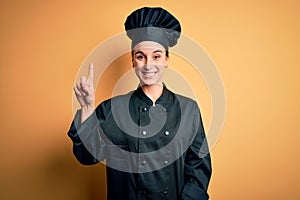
{"x":151,"y":138}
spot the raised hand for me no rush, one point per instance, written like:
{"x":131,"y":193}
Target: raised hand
{"x":85,"y":94}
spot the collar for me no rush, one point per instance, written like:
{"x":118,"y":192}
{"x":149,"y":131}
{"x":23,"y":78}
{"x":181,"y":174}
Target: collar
{"x":166,"y":98}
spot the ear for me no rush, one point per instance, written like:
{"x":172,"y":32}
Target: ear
{"x":132,"y":62}
{"x":167,"y":61}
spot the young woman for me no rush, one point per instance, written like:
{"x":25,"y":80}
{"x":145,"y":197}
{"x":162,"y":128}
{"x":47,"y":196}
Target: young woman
{"x":151,"y":138}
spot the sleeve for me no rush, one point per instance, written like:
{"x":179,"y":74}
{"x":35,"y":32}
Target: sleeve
{"x":88,"y":145}
{"x":197,"y":170}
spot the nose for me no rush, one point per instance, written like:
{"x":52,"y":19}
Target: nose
{"x":149,"y":61}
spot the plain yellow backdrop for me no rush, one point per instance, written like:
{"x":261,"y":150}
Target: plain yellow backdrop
{"x":255,"y":45}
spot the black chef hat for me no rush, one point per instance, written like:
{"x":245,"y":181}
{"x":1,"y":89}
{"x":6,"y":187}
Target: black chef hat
{"x":153,"y":24}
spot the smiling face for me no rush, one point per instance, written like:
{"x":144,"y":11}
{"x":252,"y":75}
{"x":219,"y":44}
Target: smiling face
{"x":149,"y":60}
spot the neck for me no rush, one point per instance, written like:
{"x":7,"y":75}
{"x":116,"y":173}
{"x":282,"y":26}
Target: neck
{"x":153,"y":91}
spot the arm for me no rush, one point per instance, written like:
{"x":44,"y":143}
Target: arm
{"x":85,"y":131}
{"x":197,"y":165}
{"x":88,"y":147}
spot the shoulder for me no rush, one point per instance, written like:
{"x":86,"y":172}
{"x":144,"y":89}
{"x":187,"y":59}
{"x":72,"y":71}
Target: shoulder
{"x":187,"y":101}
{"x":184,"y":98}
{"x":104,"y":109}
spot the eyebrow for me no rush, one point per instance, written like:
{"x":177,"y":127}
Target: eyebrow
{"x":139,"y":52}
{"x":156,"y":51}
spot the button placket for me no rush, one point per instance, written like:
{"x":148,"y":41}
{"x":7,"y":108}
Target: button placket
{"x":143,"y":109}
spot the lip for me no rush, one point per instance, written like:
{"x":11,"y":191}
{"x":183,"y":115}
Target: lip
{"x":149,"y":74}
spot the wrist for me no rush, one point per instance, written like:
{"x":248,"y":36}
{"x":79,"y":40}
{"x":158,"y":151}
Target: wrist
{"x":86,"y":111}
{"x":88,"y":108}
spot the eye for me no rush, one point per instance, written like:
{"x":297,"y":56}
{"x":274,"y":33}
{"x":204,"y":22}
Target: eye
{"x":156,"y":57}
{"x":139,"y":57}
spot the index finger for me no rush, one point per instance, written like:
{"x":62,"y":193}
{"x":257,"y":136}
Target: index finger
{"x":91,"y":72}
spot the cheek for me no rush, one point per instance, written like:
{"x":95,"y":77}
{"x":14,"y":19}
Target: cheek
{"x":136,"y":63}
{"x":164,"y":62}
{"x":137,"y":70}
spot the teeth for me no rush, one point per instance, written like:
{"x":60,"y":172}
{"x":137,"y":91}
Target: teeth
{"x":149,"y":73}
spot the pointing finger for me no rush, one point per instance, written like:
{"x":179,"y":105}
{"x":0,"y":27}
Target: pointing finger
{"x":91,"y":72}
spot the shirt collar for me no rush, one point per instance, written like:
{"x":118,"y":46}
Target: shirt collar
{"x":165,"y":99}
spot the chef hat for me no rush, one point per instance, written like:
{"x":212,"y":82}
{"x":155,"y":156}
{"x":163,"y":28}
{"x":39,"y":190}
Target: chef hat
{"x":152,"y":24}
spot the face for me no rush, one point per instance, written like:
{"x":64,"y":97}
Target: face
{"x":149,"y":60}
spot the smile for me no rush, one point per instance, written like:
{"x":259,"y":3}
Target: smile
{"x":149,"y":74}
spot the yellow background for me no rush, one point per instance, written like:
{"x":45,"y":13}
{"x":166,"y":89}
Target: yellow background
{"x":255,"y":45}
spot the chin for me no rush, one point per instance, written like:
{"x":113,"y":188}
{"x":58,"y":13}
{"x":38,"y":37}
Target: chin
{"x":150,"y":83}
{"x":147,"y":84}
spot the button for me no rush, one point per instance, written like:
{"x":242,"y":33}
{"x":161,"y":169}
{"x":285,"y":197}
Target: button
{"x":143,"y":162}
{"x":167,"y":133}
{"x":166,"y":162}
{"x":144,"y":133}
{"x":144,"y":109}
{"x":141,"y":192}
{"x":165,"y":192}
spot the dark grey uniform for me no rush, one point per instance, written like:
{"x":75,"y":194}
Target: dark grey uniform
{"x":151,"y":152}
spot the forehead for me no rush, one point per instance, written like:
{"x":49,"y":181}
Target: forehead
{"x":148,"y":46}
